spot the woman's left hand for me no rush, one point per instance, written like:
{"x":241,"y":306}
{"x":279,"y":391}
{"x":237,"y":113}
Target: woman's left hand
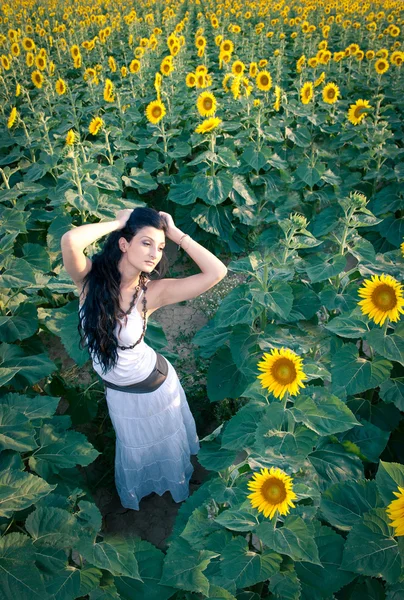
{"x":171,"y":227}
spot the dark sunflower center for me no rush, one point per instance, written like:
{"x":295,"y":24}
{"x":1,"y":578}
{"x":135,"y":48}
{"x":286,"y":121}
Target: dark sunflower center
{"x":156,"y":112}
{"x":207,"y":103}
{"x":331,"y":94}
{"x":273,"y":490}
{"x":384,"y":297}
{"x":358,"y":111}
{"x":239,"y":68}
{"x":307,"y":92}
{"x":264,"y":80}
{"x":284,"y":371}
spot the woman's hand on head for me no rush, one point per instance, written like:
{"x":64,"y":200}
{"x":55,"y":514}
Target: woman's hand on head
{"x":123,"y":216}
{"x":169,"y":221}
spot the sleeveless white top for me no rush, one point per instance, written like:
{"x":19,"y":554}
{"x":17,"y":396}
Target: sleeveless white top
{"x":133,"y":365}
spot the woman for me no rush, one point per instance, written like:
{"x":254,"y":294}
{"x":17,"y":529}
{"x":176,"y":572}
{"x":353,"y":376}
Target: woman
{"x":155,"y":430}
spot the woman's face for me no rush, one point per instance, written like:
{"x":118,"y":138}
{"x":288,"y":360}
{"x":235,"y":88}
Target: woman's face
{"x":145,"y":250}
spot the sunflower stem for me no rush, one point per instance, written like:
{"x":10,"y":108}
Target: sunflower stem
{"x":385,"y":326}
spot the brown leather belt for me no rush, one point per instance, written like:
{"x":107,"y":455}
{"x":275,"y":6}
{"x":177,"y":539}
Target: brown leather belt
{"x":156,"y":378}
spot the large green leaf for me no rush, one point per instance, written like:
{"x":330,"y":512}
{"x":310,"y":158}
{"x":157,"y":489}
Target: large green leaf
{"x":213,"y":219}
{"x":348,"y":327}
{"x":237,"y":307}
{"x":16,"y":430}
{"x":85,"y":202}
{"x":242,"y":519}
{"x":371,"y":548}
{"x":279,"y":299}
{"x":320,"y":268}
{"x":20,"y":325}
{"x":213,"y":189}
{"x":183,"y":567}
{"x":253,"y":157}
{"x":322,"y":412}
{"x":319,"y":582}
{"x":392,"y":390}
{"x":245,"y":350}
{"x":293,"y":539}
{"x":224,"y":380}
{"x":290,"y":447}
{"x":343,"y":504}
{"x":114,"y":553}
{"x":37,"y":256}
{"x":35,"y":408}
{"x":61,"y":579}
{"x":59,"y":226}
{"x":389,"y":477}
{"x":245,"y":567}
{"x":285,"y":586}
{"x":141,"y":180}
{"x":390,"y":346}
{"x":310,"y":174}
{"x":20,"y":578}
{"x":19,"y":490}
{"x":200,"y":528}
{"x":305,"y":303}
{"x":27,"y":368}
{"x":63,"y":323}
{"x":215,"y":458}
{"x":61,"y":450}
{"x":240,"y":431}
{"x":395,"y":591}
{"x":355,"y":375}
{"x":370,"y":439}
{"x":50,"y":526}
{"x":150,"y":562}
{"x":334,"y":464}
{"x":183,"y":194}
{"x":18,"y":274}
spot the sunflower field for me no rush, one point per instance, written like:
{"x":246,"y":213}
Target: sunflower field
{"x":273,"y":133}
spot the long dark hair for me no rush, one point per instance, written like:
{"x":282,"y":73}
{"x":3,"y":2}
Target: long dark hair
{"x":101,"y":307}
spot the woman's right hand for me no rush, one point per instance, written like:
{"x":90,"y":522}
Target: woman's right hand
{"x":122,"y":216}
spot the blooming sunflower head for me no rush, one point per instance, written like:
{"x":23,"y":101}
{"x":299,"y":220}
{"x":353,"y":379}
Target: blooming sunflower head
{"x":281,"y":372}
{"x":28,"y":44}
{"x":134,"y":66}
{"x":264,"y":81}
{"x":238,"y":67}
{"x":330,"y":93}
{"x":395,"y":511}
{"x":206,"y":104}
{"x":37,"y":79}
{"x":109,"y":95}
{"x":272,"y":491}
{"x":95,"y":125}
{"x":155,"y":111}
{"x":190,"y":80}
{"x":12,"y":117}
{"x":70,"y":138}
{"x":306,"y":92}
{"x":60,"y":87}
{"x":227,"y":46}
{"x":208,"y":125}
{"x":357,"y":112}
{"x":381,"y":66}
{"x":320,"y":79}
{"x":382,"y":298}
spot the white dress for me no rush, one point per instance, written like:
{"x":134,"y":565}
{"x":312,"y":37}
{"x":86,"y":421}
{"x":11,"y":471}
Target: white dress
{"x":155,"y":431}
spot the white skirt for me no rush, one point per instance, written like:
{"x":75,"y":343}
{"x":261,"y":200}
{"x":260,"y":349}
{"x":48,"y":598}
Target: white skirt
{"x":155,"y":436}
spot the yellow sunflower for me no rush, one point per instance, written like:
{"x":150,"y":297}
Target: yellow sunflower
{"x":226,"y":80}
{"x":60,"y":87}
{"x":74,"y":51}
{"x":312,"y":62}
{"x":320,"y":79}
{"x":381,"y":66}
{"x":12,"y":118}
{"x":109,"y":91}
{"x":262,"y":63}
{"x":28,"y":44}
{"x":124,"y":71}
{"x":40,"y":62}
{"x":282,"y":372}
{"x":29,"y":59}
{"x":190,"y":80}
{"x":253,"y":70}
{"x":272,"y":492}
{"x":208,"y":125}
{"x":238,"y":67}
{"x":166,"y":67}
{"x":134,"y":66}
{"x":227,"y":46}
{"x":70,"y":138}
{"x":357,"y":112}
{"x":307,"y":92}
{"x":277,"y":103}
{"x":17,"y":90}
{"x":112,"y":64}
{"x":395,"y":511}
{"x":300,"y":63}
{"x":206,"y":104}
{"x":382,"y":298}
{"x":370,"y":54}
{"x":264,"y":81}
{"x":15,"y":49}
{"x":37,"y":79}
{"x":402,"y":248}
{"x":158,"y":80}
{"x":95,"y":125}
{"x":155,"y":111}
{"x":5,"y":63}
{"x":201,"y":80}
{"x":330,"y":93}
